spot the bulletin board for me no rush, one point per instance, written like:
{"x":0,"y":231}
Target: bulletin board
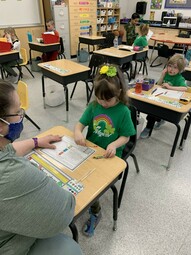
{"x":20,"y":13}
{"x":180,"y":4}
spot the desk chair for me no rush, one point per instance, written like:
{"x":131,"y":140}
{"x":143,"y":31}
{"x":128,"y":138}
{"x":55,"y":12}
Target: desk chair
{"x":108,"y":42}
{"x":61,"y":51}
{"x":128,"y":151}
{"x":95,"y":62}
{"x":163,"y":51}
{"x":24,"y":63}
{"x":22,"y":91}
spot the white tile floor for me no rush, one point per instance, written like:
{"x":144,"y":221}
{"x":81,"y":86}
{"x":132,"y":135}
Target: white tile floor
{"x":155,"y":215}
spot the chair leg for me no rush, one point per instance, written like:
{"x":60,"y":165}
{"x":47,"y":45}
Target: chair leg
{"x":90,"y":94}
{"x":135,"y":162}
{"x":28,"y":118}
{"x":123,"y":185}
{"x":88,"y":90}
{"x":151,"y":65}
{"x":73,"y":90}
{"x":29,"y":71}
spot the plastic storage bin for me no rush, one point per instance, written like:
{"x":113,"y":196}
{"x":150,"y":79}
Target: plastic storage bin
{"x":82,"y":55}
{"x":34,"y":64}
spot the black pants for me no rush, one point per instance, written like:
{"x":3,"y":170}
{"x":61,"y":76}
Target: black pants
{"x":151,"y":121}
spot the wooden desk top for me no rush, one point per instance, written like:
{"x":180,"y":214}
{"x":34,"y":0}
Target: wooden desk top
{"x":114,"y":52}
{"x":9,"y":52}
{"x":106,"y":170}
{"x":183,"y":109}
{"x":64,"y":64}
{"x":43,"y":44}
{"x":165,"y":37}
{"x":93,"y":37}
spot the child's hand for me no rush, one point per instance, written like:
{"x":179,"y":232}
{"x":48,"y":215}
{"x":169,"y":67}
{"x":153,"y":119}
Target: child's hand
{"x":164,"y":71}
{"x":79,"y":139}
{"x":110,"y":151}
{"x":166,"y":86}
{"x":46,"y":141}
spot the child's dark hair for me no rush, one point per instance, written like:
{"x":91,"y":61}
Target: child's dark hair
{"x":135,"y":16}
{"x":108,"y":86}
{"x":179,"y":60}
{"x":6,"y":90}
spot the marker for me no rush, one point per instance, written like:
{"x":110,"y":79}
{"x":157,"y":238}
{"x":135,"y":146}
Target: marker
{"x":153,"y":91}
{"x":98,"y":157}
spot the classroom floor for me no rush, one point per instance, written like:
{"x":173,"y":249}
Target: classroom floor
{"x":154,"y":218}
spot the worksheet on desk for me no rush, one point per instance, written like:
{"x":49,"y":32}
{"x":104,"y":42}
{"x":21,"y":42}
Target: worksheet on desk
{"x":168,"y":93}
{"x":68,"y":153}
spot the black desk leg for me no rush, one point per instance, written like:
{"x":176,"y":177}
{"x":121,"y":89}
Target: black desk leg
{"x":115,"y":206}
{"x":174,"y":145}
{"x":186,"y":131}
{"x":67,"y":104}
{"x":30,"y":57}
{"x":43,"y":92}
{"x":74,"y":231}
{"x":123,"y":185}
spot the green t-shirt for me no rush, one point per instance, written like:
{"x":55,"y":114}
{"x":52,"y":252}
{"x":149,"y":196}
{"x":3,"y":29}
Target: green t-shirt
{"x":175,"y":80}
{"x":141,"y":41}
{"x":106,"y":125}
{"x":130,"y":33}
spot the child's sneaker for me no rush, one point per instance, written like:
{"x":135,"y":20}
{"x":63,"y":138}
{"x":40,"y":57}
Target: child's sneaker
{"x":91,"y":224}
{"x":145,"y":133}
{"x":159,"y":124}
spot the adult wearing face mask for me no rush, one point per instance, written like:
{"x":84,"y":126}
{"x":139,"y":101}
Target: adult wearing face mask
{"x":34,"y":210}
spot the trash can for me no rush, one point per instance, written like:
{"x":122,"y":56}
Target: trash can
{"x":82,"y":55}
{"x":34,"y":64}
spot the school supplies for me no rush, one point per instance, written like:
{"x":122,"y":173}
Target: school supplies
{"x":5,"y":46}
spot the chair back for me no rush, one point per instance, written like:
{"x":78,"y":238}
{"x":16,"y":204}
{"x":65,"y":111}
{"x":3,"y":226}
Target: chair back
{"x":95,"y":62}
{"x":109,"y":37}
{"x":24,"y":56}
{"x":163,"y":50}
{"x":130,"y":145}
{"x":22,"y":91}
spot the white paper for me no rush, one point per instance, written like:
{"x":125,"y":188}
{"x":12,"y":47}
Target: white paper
{"x":167,"y":92}
{"x":150,"y":33}
{"x":68,"y":153}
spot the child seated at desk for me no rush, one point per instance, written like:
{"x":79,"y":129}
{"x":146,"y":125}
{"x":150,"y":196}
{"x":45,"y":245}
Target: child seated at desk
{"x":106,"y":127}
{"x":50,"y":56}
{"x":172,"y":79}
{"x":141,"y":39}
{"x":10,"y":35}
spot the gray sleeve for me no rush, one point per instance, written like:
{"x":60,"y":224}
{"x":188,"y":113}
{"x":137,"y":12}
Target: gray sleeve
{"x":31,"y":203}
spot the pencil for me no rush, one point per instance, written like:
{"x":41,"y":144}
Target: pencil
{"x":158,"y":94}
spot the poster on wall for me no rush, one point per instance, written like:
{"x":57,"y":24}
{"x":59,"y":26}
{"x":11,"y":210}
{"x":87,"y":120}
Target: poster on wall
{"x":180,"y":4}
{"x":156,"y":4}
{"x":152,"y":15}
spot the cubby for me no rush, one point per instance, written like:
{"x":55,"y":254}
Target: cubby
{"x":108,"y":19}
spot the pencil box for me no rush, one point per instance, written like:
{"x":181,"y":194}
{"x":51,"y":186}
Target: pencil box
{"x":48,"y":38}
{"x":147,"y":84}
{"x":5,"y":46}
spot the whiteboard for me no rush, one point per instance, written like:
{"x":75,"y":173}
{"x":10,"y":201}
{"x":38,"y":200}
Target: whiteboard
{"x":19,"y":13}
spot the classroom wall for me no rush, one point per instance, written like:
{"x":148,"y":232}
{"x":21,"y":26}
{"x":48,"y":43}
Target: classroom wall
{"x":128,"y":7}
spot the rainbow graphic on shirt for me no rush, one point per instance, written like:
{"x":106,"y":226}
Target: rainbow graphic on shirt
{"x":103,"y":126}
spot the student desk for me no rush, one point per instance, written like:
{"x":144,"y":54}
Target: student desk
{"x":42,"y":47}
{"x":64,"y":72}
{"x":96,"y":175}
{"x":168,"y":112}
{"x":8,"y":56}
{"x":168,"y":38}
{"x":90,"y":40}
{"x":116,"y":56}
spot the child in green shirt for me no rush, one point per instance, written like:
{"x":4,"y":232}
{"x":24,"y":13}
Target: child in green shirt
{"x":106,"y":127}
{"x":172,"y":79}
{"x":141,"y":39}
